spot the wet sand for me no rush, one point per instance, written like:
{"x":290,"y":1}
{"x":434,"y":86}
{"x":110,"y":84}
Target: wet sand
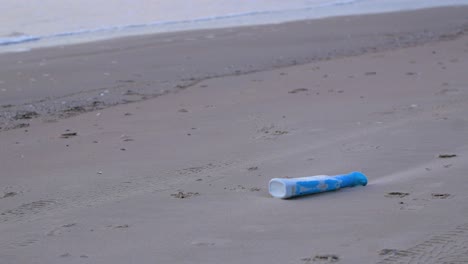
{"x":182,"y":178}
{"x":52,"y":83}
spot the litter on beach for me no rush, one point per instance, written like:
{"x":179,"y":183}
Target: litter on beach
{"x":286,"y":187}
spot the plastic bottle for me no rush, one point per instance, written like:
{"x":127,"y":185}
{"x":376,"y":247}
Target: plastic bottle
{"x":287,"y":188}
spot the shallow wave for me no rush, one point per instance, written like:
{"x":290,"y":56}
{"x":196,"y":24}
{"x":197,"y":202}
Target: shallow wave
{"x":17,"y":40}
{"x":116,"y":28}
{"x":190,"y":24}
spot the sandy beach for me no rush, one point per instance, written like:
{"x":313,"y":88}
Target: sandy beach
{"x":158,"y":149}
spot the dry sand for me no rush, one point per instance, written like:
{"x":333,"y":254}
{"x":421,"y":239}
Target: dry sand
{"x":182,"y":178}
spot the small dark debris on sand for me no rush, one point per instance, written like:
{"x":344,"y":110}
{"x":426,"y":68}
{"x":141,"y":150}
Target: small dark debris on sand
{"x":126,"y":81}
{"x":68,"y":135}
{"x":182,"y":195}
{"x":26,"y":115}
{"x":322,"y":258}
{"x":20,"y":125}
{"x":255,"y":189}
{"x":8,"y":194}
{"x":75,"y":109}
{"x":130,"y":92}
{"x":183,"y":110}
{"x":122,"y":226}
{"x":329,"y":258}
{"x":396,"y":194}
{"x":447,"y":156}
{"x":253,"y":168}
{"x":370,"y":73}
{"x":298,"y":90}
{"x":279,"y":132}
{"x":440,"y":195}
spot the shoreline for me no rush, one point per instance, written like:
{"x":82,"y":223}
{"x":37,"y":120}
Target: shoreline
{"x":53,"y":83}
{"x":21,"y":43}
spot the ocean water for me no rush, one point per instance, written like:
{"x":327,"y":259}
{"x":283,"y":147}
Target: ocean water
{"x":26,"y":24}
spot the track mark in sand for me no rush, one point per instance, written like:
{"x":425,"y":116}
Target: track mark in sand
{"x":394,"y":252}
{"x":448,"y":91}
{"x":61,"y":230}
{"x":196,"y":170}
{"x":99,"y":194}
{"x":359,"y":147}
{"x":449,"y":247}
{"x":26,"y":209}
{"x":210,"y":242}
{"x":27,"y":242}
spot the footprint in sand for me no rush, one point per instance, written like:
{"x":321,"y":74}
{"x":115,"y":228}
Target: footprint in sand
{"x":396,"y":194}
{"x":8,"y":194}
{"x":440,"y":195}
{"x":271,"y":132}
{"x":211,"y":242}
{"x":184,"y":195}
{"x":359,"y":147}
{"x":448,"y":91}
{"x":60,"y":230}
{"x":29,"y":208}
{"x":196,"y":170}
{"x":328,"y":258}
{"x":121,"y":226}
{"x":298,"y":90}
